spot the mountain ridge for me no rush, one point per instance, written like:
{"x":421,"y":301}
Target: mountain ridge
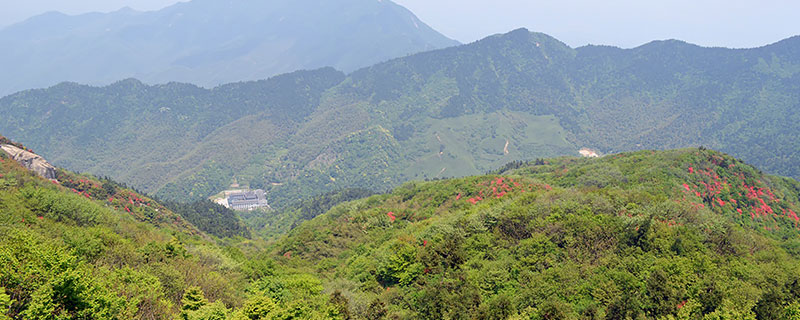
{"x":453,"y":110}
{"x":182,"y":42}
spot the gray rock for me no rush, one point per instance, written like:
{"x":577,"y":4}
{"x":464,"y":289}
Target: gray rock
{"x":31,"y":161}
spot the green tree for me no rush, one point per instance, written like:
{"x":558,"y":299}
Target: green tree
{"x":341,"y":304}
{"x":258,"y":307}
{"x":5,"y":304}
{"x":376,"y":310}
{"x":193,"y":300}
{"x":213,"y":311}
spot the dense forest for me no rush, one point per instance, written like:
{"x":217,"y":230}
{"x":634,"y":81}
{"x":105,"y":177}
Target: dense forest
{"x":452,"y":112}
{"x":683,"y":234}
{"x":679,"y":234}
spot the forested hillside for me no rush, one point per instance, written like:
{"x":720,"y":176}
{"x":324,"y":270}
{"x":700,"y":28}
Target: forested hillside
{"x":683,"y":234}
{"x":83,"y":248}
{"x":208,"y":42}
{"x":453,"y":112}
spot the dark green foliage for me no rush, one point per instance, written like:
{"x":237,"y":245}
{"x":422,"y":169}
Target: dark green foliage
{"x":376,"y":310}
{"x":178,"y":126}
{"x":211,"y":217}
{"x":272,"y":224}
{"x":341,"y":304}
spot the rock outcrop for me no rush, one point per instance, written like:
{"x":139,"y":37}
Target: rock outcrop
{"x":31,"y":161}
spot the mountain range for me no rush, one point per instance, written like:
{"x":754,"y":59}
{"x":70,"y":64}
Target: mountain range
{"x":209,"y":42}
{"x":450,"y":112}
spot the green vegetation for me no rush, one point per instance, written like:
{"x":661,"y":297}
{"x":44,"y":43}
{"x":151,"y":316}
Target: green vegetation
{"x":437,"y":114}
{"x":270,"y":225}
{"x":211,"y":218}
{"x":676,"y":234}
{"x":682,"y":234}
{"x":68,"y":253}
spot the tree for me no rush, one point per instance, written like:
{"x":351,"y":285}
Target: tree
{"x":376,"y":310}
{"x":193,"y":300}
{"x":5,"y":304}
{"x":258,"y":307}
{"x":341,"y":304}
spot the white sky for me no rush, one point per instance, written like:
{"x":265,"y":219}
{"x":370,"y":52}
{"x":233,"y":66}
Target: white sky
{"x":625,"y":23}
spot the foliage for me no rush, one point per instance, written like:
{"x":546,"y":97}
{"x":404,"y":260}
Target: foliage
{"x":546,"y":240}
{"x":211,"y":218}
{"x":69,"y":252}
{"x":274,"y":224}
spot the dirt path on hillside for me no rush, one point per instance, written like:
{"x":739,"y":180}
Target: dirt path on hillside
{"x":441,"y":146}
{"x":440,"y":172}
{"x":505,"y":149}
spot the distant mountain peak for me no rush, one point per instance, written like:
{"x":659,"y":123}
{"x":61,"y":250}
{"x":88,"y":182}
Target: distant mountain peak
{"x":209,"y":42}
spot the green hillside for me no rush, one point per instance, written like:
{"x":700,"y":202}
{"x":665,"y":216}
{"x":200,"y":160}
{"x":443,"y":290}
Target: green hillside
{"x":683,"y":234}
{"x":69,"y":252}
{"x":453,"y":112}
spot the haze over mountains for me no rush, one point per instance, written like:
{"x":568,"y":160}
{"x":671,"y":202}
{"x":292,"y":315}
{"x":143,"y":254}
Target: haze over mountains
{"x":450,"y":112}
{"x":209,"y":42}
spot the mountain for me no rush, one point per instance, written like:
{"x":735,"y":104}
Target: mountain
{"x":679,"y":234}
{"x":209,"y":42}
{"x":452,"y":112}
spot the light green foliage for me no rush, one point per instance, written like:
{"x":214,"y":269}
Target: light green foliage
{"x":193,"y":299}
{"x":55,"y":283}
{"x":66,"y":254}
{"x":5,"y":303}
{"x":400,"y":267}
{"x":60,"y":207}
{"x":792,"y":312}
{"x":257,"y":307}
{"x":195,"y":306}
{"x":550,"y":240}
{"x":644,"y":235}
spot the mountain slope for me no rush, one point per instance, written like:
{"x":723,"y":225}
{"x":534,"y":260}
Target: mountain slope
{"x":69,"y":254}
{"x":452,"y":112}
{"x":683,"y":233}
{"x":146,"y":135}
{"x":209,"y":42}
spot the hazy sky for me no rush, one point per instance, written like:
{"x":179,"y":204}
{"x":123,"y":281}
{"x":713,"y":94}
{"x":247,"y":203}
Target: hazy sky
{"x":625,"y":23}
